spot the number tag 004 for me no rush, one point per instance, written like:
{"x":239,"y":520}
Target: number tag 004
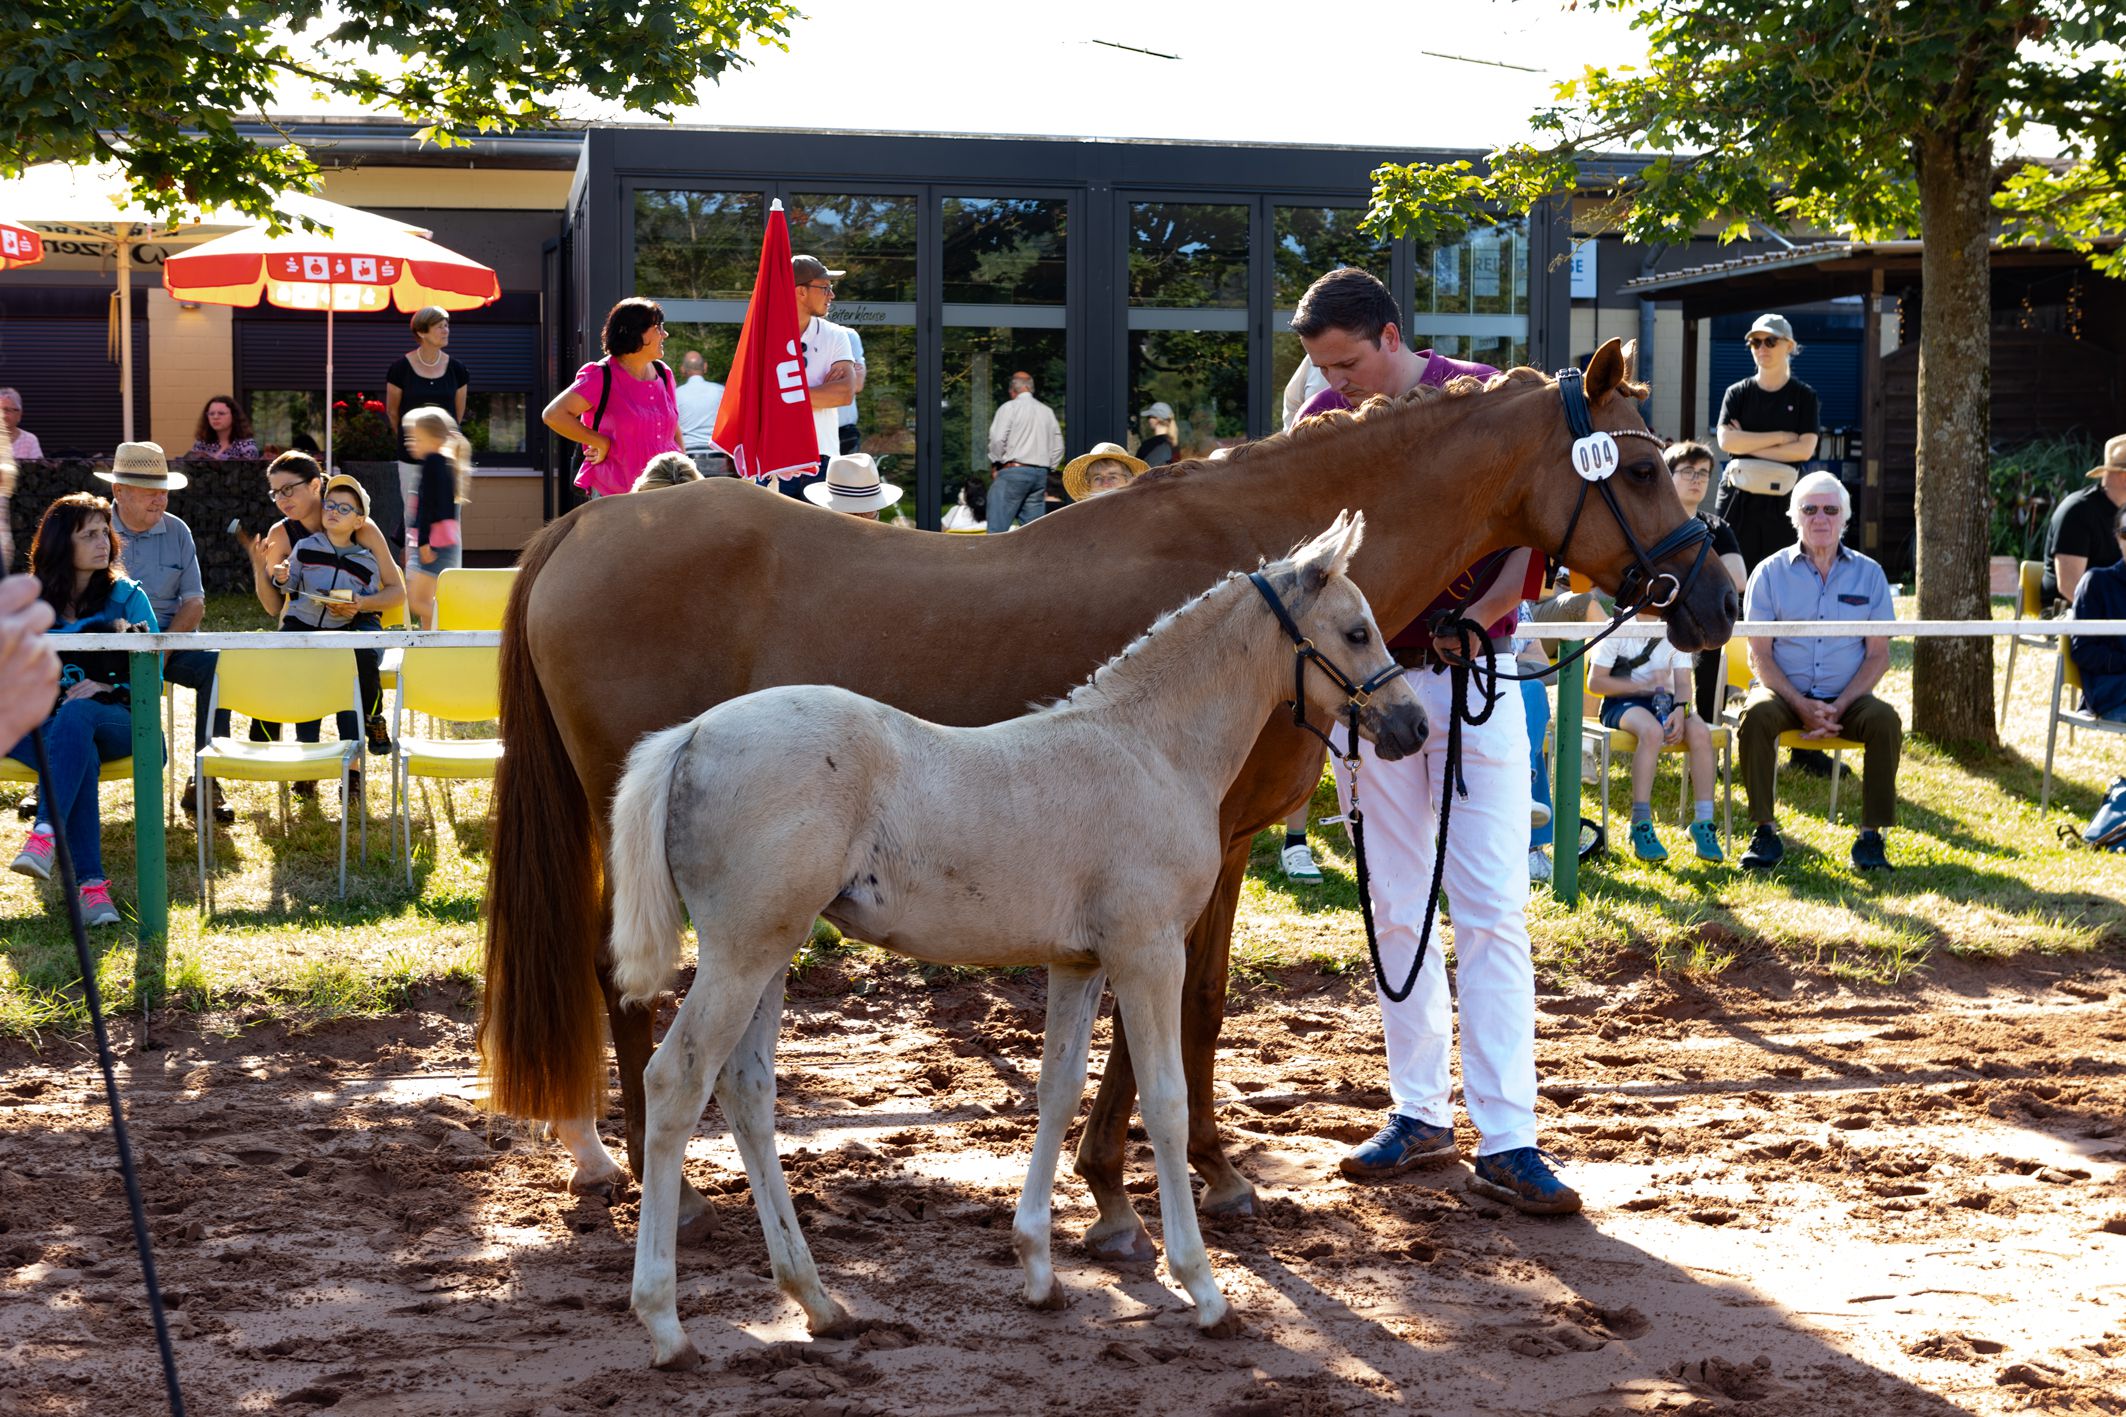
{"x":1594,"y":457}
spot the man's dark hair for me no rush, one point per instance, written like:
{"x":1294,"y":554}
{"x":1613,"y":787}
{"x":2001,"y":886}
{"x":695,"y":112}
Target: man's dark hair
{"x":627,"y":322}
{"x":1346,"y":299}
{"x":1677,"y":454}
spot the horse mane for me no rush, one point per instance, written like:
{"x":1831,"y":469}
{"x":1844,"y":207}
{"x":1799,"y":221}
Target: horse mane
{"x":1375,"y":410}
{"x":1126,"y":671}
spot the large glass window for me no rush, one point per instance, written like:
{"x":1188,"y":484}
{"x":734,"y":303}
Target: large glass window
{"x":1470,"y":297}
{"x":1201,"y":376}
{"x":1188,"y":255}
{"x":1006,"y":274}
{"x":1306,"y":244}
{"x":870,"y":236}
{"x":697,"y":245}
{"x":1188,"y":312}
{"x":1005,"y":250}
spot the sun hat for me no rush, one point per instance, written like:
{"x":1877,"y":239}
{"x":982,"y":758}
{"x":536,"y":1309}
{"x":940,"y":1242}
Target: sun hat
{"x":1158,"y":410}
{"x":810,"y":268}
{"x":1077,"y":473}
{"x":2114,"y":457}
{"x":143,"y":465}
{"x":1773,"y":325}
{"x":353,"y":484}
{"x":853,"y":485}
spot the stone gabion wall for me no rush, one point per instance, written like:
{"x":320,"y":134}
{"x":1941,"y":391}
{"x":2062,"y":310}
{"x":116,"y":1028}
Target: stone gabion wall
{"x":219,"y":492}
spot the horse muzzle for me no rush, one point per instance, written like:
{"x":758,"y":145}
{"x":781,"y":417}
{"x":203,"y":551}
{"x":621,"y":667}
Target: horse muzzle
{"x":1705,"y":616}
{"x":1395,"y":730}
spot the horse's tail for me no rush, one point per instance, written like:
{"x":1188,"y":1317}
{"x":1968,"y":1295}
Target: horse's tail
{"x":542,"y":1046}
{"x":646,"y":914}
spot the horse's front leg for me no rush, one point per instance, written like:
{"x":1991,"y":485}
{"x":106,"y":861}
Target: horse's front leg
{"x":1210,"y":950}
{"x":1073,"y":999}
{"x":630,"y":1026}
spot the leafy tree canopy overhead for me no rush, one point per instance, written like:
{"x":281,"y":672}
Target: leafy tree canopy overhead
{"x":1807,"y":113}
{"x":160,"y":86}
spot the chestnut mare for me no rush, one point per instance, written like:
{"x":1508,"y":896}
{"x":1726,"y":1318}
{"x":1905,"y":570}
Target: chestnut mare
{"x":636,"y":613}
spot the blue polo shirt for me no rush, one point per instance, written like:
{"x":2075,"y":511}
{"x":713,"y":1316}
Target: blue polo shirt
{"x":163,"y":562}
{"x":1787,"y":587}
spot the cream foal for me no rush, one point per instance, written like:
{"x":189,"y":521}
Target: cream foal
{"x":965,"y":846}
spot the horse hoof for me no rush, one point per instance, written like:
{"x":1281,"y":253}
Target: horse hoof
{"x":1226,"y":1325}
{"x":1055,"y":1301}
{"x":1240,"y":1203}
{"x":1121,"y":1247}
{"x":606,"y":1185}
{"x":684,"y":1359}
{"x":697,"y":1228}
{"x":837,"y":1323}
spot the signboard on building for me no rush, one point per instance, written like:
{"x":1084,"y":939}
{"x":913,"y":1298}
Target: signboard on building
{"x":1584,"y":285}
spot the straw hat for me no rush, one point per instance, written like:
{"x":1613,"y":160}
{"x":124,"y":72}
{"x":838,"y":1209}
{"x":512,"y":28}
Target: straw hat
{"x":853,"y":485}
{"x":143,"y":465}
{"x":1077,"y":480}
{"x":2114,"y":457}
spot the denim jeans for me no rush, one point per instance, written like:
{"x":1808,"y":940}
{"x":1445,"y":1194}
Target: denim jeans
{"x":1018,"y":494}
{"x":79,"y":740}
{"x":1535,"y":704}
{"x":194,"y":668}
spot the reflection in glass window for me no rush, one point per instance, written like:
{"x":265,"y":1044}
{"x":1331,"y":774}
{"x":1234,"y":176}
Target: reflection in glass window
{"x":871,"y":237}
{"x":697,"y":245}
{"x":1202,"y":375}
{"x":979,"y":364}
{"x":495,"y":424}
{"x":1470,"y":297}
{"x":1309,"y":242}
{"x":1188,"y":255}
{"x":277,"y":415}
{"x":1005,"y":250}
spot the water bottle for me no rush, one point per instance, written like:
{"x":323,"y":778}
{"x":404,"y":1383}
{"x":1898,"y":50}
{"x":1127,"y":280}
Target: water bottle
{"x":1664,"y":703}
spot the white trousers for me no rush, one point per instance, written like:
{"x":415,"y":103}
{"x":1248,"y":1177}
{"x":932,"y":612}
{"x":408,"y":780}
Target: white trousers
{"x":1486,"y":883}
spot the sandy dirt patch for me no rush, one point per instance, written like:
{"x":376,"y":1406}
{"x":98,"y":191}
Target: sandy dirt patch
{"x":1802,"y":1200}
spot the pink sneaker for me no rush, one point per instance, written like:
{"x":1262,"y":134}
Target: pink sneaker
{"x":96,"y":907}
{"x":36,"y":857}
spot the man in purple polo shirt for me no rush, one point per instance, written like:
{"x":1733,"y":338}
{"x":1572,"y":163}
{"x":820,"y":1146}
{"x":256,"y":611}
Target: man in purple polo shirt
{"x":1353,"y":332}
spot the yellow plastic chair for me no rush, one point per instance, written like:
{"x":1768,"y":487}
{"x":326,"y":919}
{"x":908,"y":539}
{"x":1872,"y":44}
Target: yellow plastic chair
{"x":283,"y":686}
{"x":388,"y":662}
{"x":2066,"y":680}
{"x":1606,"y":741}
{"x":451,"y":686}
{"x":1740,"y":676}
{"x":468,"y":598}
{"x":2029,"y":605}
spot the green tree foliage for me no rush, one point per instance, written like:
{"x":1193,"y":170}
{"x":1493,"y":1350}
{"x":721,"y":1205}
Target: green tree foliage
{"x":1878,"y":118}
{"x":160,"y":86}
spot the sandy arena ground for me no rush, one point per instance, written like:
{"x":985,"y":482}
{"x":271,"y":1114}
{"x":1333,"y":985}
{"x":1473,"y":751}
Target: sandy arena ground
{"x":1801,"y":1200}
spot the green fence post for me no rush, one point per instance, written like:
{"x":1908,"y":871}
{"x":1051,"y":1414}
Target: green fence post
{"x":1565,"y":800}
{"x":151,"y":864}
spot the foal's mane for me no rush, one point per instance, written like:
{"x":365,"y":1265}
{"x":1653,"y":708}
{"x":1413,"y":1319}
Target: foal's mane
{"x":1132,"y":670}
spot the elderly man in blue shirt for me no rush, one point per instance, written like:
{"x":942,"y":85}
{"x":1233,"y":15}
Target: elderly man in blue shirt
{"x":1822,"y":685}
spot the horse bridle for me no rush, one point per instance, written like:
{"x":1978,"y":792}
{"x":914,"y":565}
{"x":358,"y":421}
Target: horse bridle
{"x":1637,"y":585}
{"x":1356,"y":694}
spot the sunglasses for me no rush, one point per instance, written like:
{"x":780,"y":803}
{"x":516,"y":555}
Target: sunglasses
{"x":345,"y":509}
{"x":1763,"y":341}
{"x":1830,"y":511}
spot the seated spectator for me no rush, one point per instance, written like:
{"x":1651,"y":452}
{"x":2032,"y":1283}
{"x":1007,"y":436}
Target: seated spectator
{"x":2079,"y":536}
{"x":224,"y":432}
{"x":853,"y":485}
{"x":333,"y":581}
{"x":7,"y":497}
{"x":1107,"y":468}
{"x":1690,"y":466}
{"x":75,"y":555}
{"x":21,"y":442}
{"x":1646,"y":689}
{"x":2101,"y":595}
{"x":443,"y":461}
{"x":163,"y":561}
{"x":667,"y":470}
{"x":1822,"y":685}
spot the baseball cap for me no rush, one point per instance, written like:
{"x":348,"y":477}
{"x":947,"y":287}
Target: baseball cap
{"x":1773,"y":325}
{"x":1158,"y":410}
{"x":811,"y":268}
{"x":346,"y":482}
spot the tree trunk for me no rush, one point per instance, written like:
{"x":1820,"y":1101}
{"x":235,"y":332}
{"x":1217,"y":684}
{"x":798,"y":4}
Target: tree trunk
{"x":1952,"y":679}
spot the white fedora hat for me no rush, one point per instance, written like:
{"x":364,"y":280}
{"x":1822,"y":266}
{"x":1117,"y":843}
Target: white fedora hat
{"x":143,"y":465}
{"x":853,"y":485}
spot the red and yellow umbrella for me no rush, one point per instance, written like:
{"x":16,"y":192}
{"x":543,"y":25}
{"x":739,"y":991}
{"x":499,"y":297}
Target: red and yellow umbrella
{"x":19,"y":246}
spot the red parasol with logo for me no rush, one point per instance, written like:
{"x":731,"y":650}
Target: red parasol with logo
{"x":19,"y":246}
{"x":363,"y":263}
{"x":765,"y":422}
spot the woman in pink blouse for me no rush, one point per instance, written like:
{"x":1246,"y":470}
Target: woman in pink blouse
{"x":623,"y":409}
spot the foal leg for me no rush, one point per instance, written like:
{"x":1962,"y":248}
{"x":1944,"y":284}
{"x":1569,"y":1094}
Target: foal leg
{"x":1148,"y":993}
{"x":630,"y":1028}
{"x":1073,"y":998}
{"x":676,"y":1087}
{"x":747,"y":1094}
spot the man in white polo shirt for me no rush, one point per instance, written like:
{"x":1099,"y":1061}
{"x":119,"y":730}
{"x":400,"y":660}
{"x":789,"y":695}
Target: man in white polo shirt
{"x":830,"y":361}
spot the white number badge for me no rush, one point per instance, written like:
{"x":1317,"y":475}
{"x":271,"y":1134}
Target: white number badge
{"x":1594,"y":457}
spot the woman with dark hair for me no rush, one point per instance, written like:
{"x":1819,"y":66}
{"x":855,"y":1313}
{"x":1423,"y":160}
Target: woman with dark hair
{"x":224,"y":431}
{"x":429,"y":377}
{"x":624,"y":408}
{"x":75,"y":558}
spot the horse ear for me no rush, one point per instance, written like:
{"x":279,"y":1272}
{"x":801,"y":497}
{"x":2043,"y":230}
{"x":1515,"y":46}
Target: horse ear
{"x":1316,"y":561}
{"x":1608,"y":369}
{"x":1354,"y":536}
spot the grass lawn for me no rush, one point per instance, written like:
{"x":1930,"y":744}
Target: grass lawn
{"x":1980,"y":873}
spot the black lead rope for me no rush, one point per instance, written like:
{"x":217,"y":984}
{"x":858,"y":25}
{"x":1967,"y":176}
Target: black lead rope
{"x":69,"y":888}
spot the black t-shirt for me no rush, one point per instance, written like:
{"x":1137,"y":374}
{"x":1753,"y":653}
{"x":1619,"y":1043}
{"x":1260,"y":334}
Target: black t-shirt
{"x":1157,"y":450}
{"x":1791,"y":410}
{"x":418,"y":391}
{"x":1725,"y":542}
{"x":2084,"y":524}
